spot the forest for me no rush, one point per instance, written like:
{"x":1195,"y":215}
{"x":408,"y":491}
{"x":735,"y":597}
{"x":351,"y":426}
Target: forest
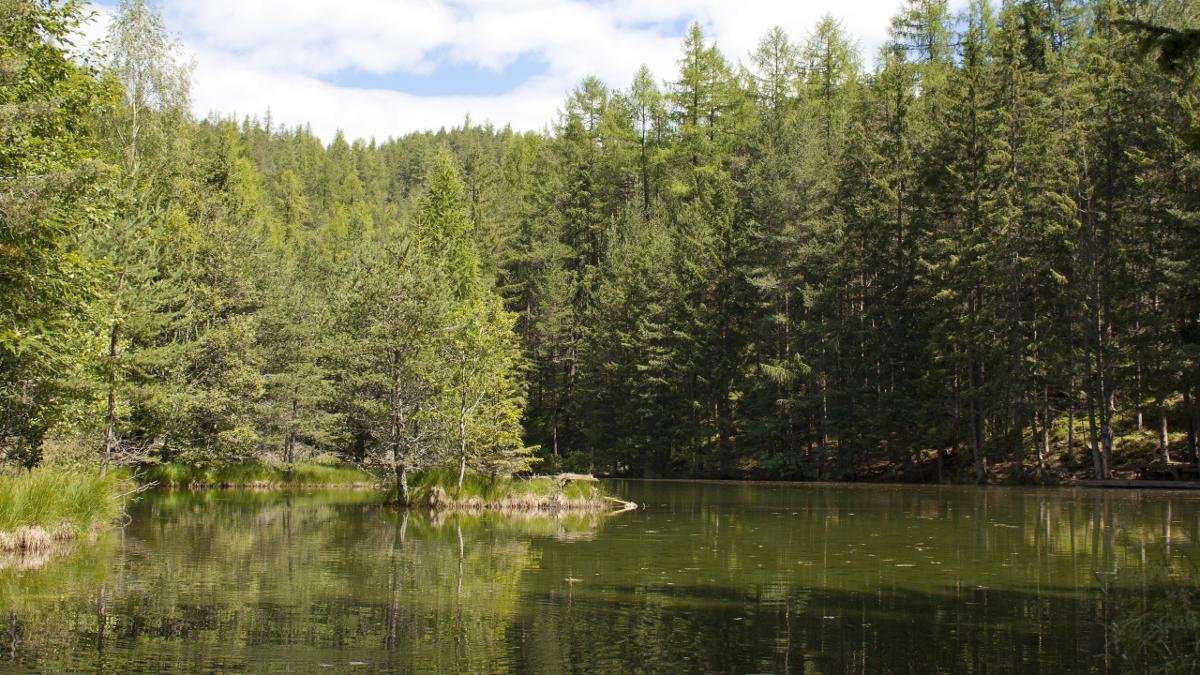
{"x":972,"y":256}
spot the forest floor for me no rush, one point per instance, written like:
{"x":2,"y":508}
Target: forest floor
{"x":1136,"y":457}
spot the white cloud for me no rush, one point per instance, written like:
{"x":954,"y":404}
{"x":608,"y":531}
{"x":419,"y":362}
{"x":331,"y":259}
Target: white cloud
{"x":94,"y":29}
{"x":318,"y":36}
{"x":227,"y":87}
{"x":252,"y":55}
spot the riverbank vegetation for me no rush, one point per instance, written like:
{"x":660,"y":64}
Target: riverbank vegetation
{"x":45,"y":506}
{"x":439,"y":490}
{"x":975,"y":248}
{"x":253,"y":474}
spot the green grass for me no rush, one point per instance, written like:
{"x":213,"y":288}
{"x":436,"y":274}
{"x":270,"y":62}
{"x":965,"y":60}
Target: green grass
{"x":252,"y":473}
{"x":491,"y":489}
{"x":46,"y":497}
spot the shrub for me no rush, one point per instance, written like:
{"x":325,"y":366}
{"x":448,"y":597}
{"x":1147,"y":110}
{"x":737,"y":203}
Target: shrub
{"x":55,"y":499}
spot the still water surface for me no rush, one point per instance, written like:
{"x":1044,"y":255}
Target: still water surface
{"x":705,"y":577}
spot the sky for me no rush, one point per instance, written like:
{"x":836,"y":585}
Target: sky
{"x":382,"y":68}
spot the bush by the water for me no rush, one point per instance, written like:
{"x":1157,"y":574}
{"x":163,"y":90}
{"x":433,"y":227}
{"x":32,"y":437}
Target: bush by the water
{"x":253,"y":474}
{"x":491,"y":489}
{"x":56,"y":503}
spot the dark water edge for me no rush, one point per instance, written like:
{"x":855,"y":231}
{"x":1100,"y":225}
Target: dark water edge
{"x":707,"y":577}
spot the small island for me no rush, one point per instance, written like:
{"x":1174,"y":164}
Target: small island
{"x":43,"y":511}
{"x":436,"y":488}
{"x":565,"y":492}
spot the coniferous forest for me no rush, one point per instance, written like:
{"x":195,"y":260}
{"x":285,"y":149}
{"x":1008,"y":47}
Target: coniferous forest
{"x":971,"y":256}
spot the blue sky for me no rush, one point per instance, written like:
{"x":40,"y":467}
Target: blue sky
{"x":377,"y":68}
{"x":447,"y":77}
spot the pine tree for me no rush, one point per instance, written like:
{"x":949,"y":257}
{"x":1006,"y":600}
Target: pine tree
{"x":147,"y":134}
{"x":391,"y":318}
{"x":710,"y":321}
{"x":483,"y":396}
{"x":626,"y":368}
{"x":957,"y":179}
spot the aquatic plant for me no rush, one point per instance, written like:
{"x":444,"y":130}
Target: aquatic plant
{"x":52,"y":504}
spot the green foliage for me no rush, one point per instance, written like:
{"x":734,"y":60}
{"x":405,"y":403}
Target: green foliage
{"x":496,"y":488}
{"x":52,"y":185}
{"x":45,"y":497}
{"x":799,"y":267}
{"x":175,"y":474}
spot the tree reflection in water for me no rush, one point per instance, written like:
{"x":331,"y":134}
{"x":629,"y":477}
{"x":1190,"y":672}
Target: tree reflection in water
{"x":706,"y":578}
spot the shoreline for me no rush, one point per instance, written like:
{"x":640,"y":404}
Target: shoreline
{"x":36,"y":538}
{"x":47,"y":508}
{"x":1072,"y":484}
{"x":261,"y":485}
{"x":438,"y":500}
{"x":521,"y":502}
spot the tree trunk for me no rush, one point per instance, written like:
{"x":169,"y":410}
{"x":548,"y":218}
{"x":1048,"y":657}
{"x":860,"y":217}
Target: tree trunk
{"x":977,"y":458}
{"x":1106,"y":438}
{"x":289,"y":438}
{"x":462,"y":451}
{"x":824,"y":413}
{"x":977,"y":423}
{"x":1071,"y":420}
{"x":402,"y":484}
{"x":1043,"y":447}
{"x":1097,"y":458}
{"x":1163,"y":442}
{"x":1193,"y":450}
{"x":110,"y":417}
{"x":1137,"y":381}
{"x":1018,"y":444}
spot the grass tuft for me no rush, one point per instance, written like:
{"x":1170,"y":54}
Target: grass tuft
{"x":47,"y":504}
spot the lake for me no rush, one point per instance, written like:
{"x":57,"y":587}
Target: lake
{"x":708,"y":577}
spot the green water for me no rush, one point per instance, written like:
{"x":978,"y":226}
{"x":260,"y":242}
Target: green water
{"x":705,"y":577}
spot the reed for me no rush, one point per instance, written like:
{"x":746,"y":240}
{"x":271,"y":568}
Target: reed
{"x":46,"y":504}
